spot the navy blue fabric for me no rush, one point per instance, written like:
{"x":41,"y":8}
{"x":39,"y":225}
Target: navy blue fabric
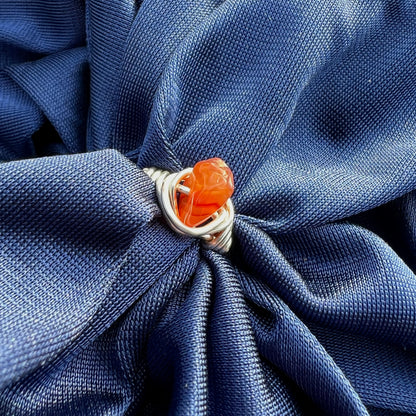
{"x":105,"y":311}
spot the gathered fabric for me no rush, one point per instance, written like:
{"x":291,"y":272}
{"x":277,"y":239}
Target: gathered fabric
{"x":104,"y":310}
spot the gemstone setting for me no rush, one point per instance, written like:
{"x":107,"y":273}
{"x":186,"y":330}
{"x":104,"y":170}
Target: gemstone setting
{"x":210,"y":185}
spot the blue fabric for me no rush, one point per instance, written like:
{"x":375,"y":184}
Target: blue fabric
{"x":106,"y":311}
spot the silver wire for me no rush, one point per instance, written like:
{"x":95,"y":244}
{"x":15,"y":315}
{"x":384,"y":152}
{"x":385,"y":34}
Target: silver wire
{"x":215,"y":235}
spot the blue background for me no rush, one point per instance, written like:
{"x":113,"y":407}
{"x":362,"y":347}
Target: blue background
{"x":104,"y":310}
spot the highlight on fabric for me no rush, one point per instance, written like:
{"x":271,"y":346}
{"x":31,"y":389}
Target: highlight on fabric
{"x":196,"y":201}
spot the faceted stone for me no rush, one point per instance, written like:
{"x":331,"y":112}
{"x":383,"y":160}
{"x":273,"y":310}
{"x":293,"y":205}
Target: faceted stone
{"x":211,"y":184}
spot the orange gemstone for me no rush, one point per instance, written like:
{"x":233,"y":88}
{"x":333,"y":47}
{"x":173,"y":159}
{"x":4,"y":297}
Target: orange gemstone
{"x":211,"y":183}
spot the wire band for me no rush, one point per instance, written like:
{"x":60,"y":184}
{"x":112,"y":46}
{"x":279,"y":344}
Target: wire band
{"x":216,"y":234}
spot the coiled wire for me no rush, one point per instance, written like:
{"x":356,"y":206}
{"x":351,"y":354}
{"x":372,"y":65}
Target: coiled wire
{"x":215,"y":234}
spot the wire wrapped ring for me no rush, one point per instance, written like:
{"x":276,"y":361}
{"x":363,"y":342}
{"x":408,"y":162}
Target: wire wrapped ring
{"x":215,"y":234}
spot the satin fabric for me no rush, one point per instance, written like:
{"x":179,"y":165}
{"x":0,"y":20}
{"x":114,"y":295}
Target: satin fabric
{"x":106,"y":311}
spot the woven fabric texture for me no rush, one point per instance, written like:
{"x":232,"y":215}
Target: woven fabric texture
{"x":105,"y":311}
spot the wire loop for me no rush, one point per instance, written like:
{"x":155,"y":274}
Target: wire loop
{"x":215,"y":233}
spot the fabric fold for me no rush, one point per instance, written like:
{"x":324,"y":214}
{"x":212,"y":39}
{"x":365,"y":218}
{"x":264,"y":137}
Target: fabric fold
{"x":340,"y":275}
{"x":56,"y":84}
{"x":87,"y":215}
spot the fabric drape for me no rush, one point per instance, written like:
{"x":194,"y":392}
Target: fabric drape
{"x":105,"y":310}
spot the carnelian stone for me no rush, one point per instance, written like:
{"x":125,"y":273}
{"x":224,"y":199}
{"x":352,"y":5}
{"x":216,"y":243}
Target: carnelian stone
{"x":211,"y":183}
